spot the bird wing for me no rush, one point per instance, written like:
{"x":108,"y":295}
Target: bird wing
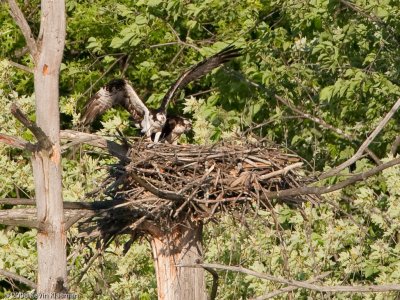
{"x":116,"y":92}
{"x":198,"y":71}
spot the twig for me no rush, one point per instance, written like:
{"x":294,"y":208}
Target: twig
{"x":290,"y":288}
{"x":364,"y":145}
{"x":19,"y":278}
{"x":179,"y":39}
{"x":19,"y":18}
{"x":201,"y":92}
{"x":307,"y":190}
{"x":164,"y":44}
{"x":101,"y":77}
{"x":43,"y":140}
{"x":301,"y":284}
{"x":371,"y":17}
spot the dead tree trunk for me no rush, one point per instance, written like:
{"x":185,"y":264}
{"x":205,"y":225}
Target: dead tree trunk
{"x":47,"y":52}
{"x":51,"y":239}
{"x":181,"y":245}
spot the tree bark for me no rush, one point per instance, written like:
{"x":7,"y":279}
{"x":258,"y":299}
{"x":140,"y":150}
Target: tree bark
{"x":181,"y":245}
{"x":51,"y":239}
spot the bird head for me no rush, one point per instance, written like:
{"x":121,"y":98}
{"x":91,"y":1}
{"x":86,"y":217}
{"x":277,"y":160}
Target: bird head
{"x":187,"y":124}
{"x":157,"y":122}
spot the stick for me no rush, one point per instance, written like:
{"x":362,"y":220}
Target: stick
{"x":301,"y":284}
{"x":282,"y":171}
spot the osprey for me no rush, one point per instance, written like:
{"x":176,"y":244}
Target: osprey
{"x":153,"y":122}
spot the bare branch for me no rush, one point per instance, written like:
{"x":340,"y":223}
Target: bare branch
{"x":43,"y":140}
{"x":21,"y":67}
{"x":19,"y":18}
{"x":16,"y":142}
{"x":74,"y":205}
{"x":77,"y":138}
{"x":290,"y":288}
{"x":19,"y":278}
{"x":315,"y":119}
{"x":307,"y":190}
{"x":325,"y":125}
{"x":364,"y":145}
{"x":302,"y":284}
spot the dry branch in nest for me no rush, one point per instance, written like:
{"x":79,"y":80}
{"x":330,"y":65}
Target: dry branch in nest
{"x":165,"y":182}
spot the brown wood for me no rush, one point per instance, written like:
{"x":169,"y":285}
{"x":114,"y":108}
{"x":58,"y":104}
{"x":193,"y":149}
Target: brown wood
{"x":182,"y":245}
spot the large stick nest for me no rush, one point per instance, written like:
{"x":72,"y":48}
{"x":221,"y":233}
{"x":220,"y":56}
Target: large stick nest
{"x":163,"y":183}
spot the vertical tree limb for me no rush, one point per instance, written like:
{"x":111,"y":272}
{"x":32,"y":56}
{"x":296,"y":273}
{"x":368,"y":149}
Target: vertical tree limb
{"x":19,"y":18}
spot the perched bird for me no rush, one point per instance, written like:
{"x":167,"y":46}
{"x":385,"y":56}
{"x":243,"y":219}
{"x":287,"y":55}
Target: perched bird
{"x":174,"y":127}
{"x":153,"y":121}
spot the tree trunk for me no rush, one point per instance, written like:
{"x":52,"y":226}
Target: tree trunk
{"x":182,"y":245}
{"x":51,"y":239}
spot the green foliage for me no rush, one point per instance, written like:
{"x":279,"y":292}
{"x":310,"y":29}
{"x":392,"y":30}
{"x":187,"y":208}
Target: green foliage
{"x":357,"y":243}
{"x":333,"y":61}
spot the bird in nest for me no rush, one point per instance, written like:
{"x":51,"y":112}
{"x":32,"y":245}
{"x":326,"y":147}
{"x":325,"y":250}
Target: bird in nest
{"x":154,"y":123}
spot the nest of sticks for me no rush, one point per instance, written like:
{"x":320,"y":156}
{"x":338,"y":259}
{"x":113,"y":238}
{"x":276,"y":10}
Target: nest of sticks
{"x":163,"y":183}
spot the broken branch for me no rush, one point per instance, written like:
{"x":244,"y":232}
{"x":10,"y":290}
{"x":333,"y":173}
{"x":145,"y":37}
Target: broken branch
{"x":16,"y":142}
{"x":43,"y":140}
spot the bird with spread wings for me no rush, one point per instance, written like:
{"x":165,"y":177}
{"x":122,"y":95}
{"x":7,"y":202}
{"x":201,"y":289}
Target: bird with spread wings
{"x":153,"y":122}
